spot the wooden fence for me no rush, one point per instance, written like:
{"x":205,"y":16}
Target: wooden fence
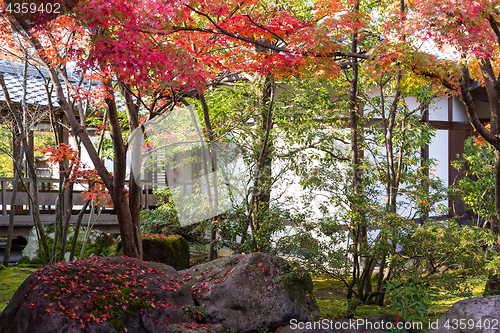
{"x":47,"y":195}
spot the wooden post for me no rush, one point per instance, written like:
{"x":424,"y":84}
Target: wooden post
{"x":4,"y":194}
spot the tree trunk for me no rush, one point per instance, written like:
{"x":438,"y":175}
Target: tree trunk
{"x":59,"y":214}
{"x":22,"y":128}
{"x":36,"y":207}
{"x":10,"y":231}
{"x":359,"y":235}
{"x":134,"y":195}
{"x":130,"y":234}
{"x":212,"y":251}
{"x":77,"y":229}
{"x":497,"y":185}
{"x":261,"y":192}
{"x":115,"y":184}
{"x":69,"y":211}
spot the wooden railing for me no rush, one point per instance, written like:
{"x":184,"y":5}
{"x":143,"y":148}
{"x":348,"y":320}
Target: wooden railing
{"x":47,"y":194}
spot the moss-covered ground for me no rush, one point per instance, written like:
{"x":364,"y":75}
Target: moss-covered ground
{"x":10,"y":279}
{"x":331,"y":297}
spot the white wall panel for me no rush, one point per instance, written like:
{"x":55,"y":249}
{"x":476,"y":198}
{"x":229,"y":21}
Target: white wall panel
{"x":438,"y":150}
{"x":459,"y":113}
{"x":439,"y":110}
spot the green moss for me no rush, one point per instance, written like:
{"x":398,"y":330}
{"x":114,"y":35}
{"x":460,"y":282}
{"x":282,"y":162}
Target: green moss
{"x":118,"y":317}
{"x":103,"y":244}
{"x":11,"y":278}
{"x":178,"y":245}
{"x":330,"y":295}
{"x":25,"y":262}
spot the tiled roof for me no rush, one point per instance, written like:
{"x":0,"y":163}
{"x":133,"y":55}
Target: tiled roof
{"x":36,"y":79}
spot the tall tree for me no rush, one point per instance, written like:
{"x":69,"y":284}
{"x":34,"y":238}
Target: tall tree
{"x":148,"y":54}
{"x":469,"y":33}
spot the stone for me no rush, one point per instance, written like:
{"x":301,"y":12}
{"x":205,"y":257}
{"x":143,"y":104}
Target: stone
{"x":248,"y":292}
{"x":492,"y":286}
{"x":195,"y":328}
{"x":171,"y":250}
{"x":474,"y":315}
{"x":98,"y":242}
{"x":100,"y":295}
{"x":382,"y":323}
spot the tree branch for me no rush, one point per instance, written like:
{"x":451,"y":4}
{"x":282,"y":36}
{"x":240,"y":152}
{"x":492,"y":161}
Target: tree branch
{"x":468,"y":101}
{"x":265,"y":29}
{"x":494,"y":27}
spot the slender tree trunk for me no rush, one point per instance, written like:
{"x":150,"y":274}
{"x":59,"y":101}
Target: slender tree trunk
{"x":69,"y":211}
{"x":261,"y":192}
{"x":10,"y":232}
{"x":35,"y":205}
{"x":131,"y":238}
{"x":359,"y":227}
{"x":115,"y":184}
{"x":77,"y":229}
{"x":496,"y":228}
{"x":20,"y":123}
{"x":212,"y":251}
{"x":134,"y":189}
{"x":59,"y":214}
{"x":425,"y":167}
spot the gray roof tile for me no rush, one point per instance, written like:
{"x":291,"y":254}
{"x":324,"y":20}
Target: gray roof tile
{"x":37,"y":77}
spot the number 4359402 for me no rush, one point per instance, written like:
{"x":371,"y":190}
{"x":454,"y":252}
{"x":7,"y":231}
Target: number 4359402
{"x":463,"y":324}
{"x":32,"y":8}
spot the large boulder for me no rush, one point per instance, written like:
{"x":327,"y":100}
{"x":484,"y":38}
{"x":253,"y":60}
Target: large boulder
{"x":474,"y":315}
{"x":100,"y":295}
{"x":98,"y":242}
{"x":249,"y":292}
{"x":172,"y":250}
{"x":382,"y":323}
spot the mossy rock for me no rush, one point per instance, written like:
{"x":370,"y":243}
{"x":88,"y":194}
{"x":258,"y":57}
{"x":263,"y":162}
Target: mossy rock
{"x":98,"y":294}
{"x":172,"y":250}
{"x":249,"y":293}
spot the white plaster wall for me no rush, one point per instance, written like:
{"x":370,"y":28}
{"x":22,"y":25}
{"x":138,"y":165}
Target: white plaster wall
{"x":85,"y":155}
{"x":289,"y":186}
{"x":438,"y":150}
{"x":412,"y":103}
{"x":439,"y":110}
{"x":459,"y":113}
